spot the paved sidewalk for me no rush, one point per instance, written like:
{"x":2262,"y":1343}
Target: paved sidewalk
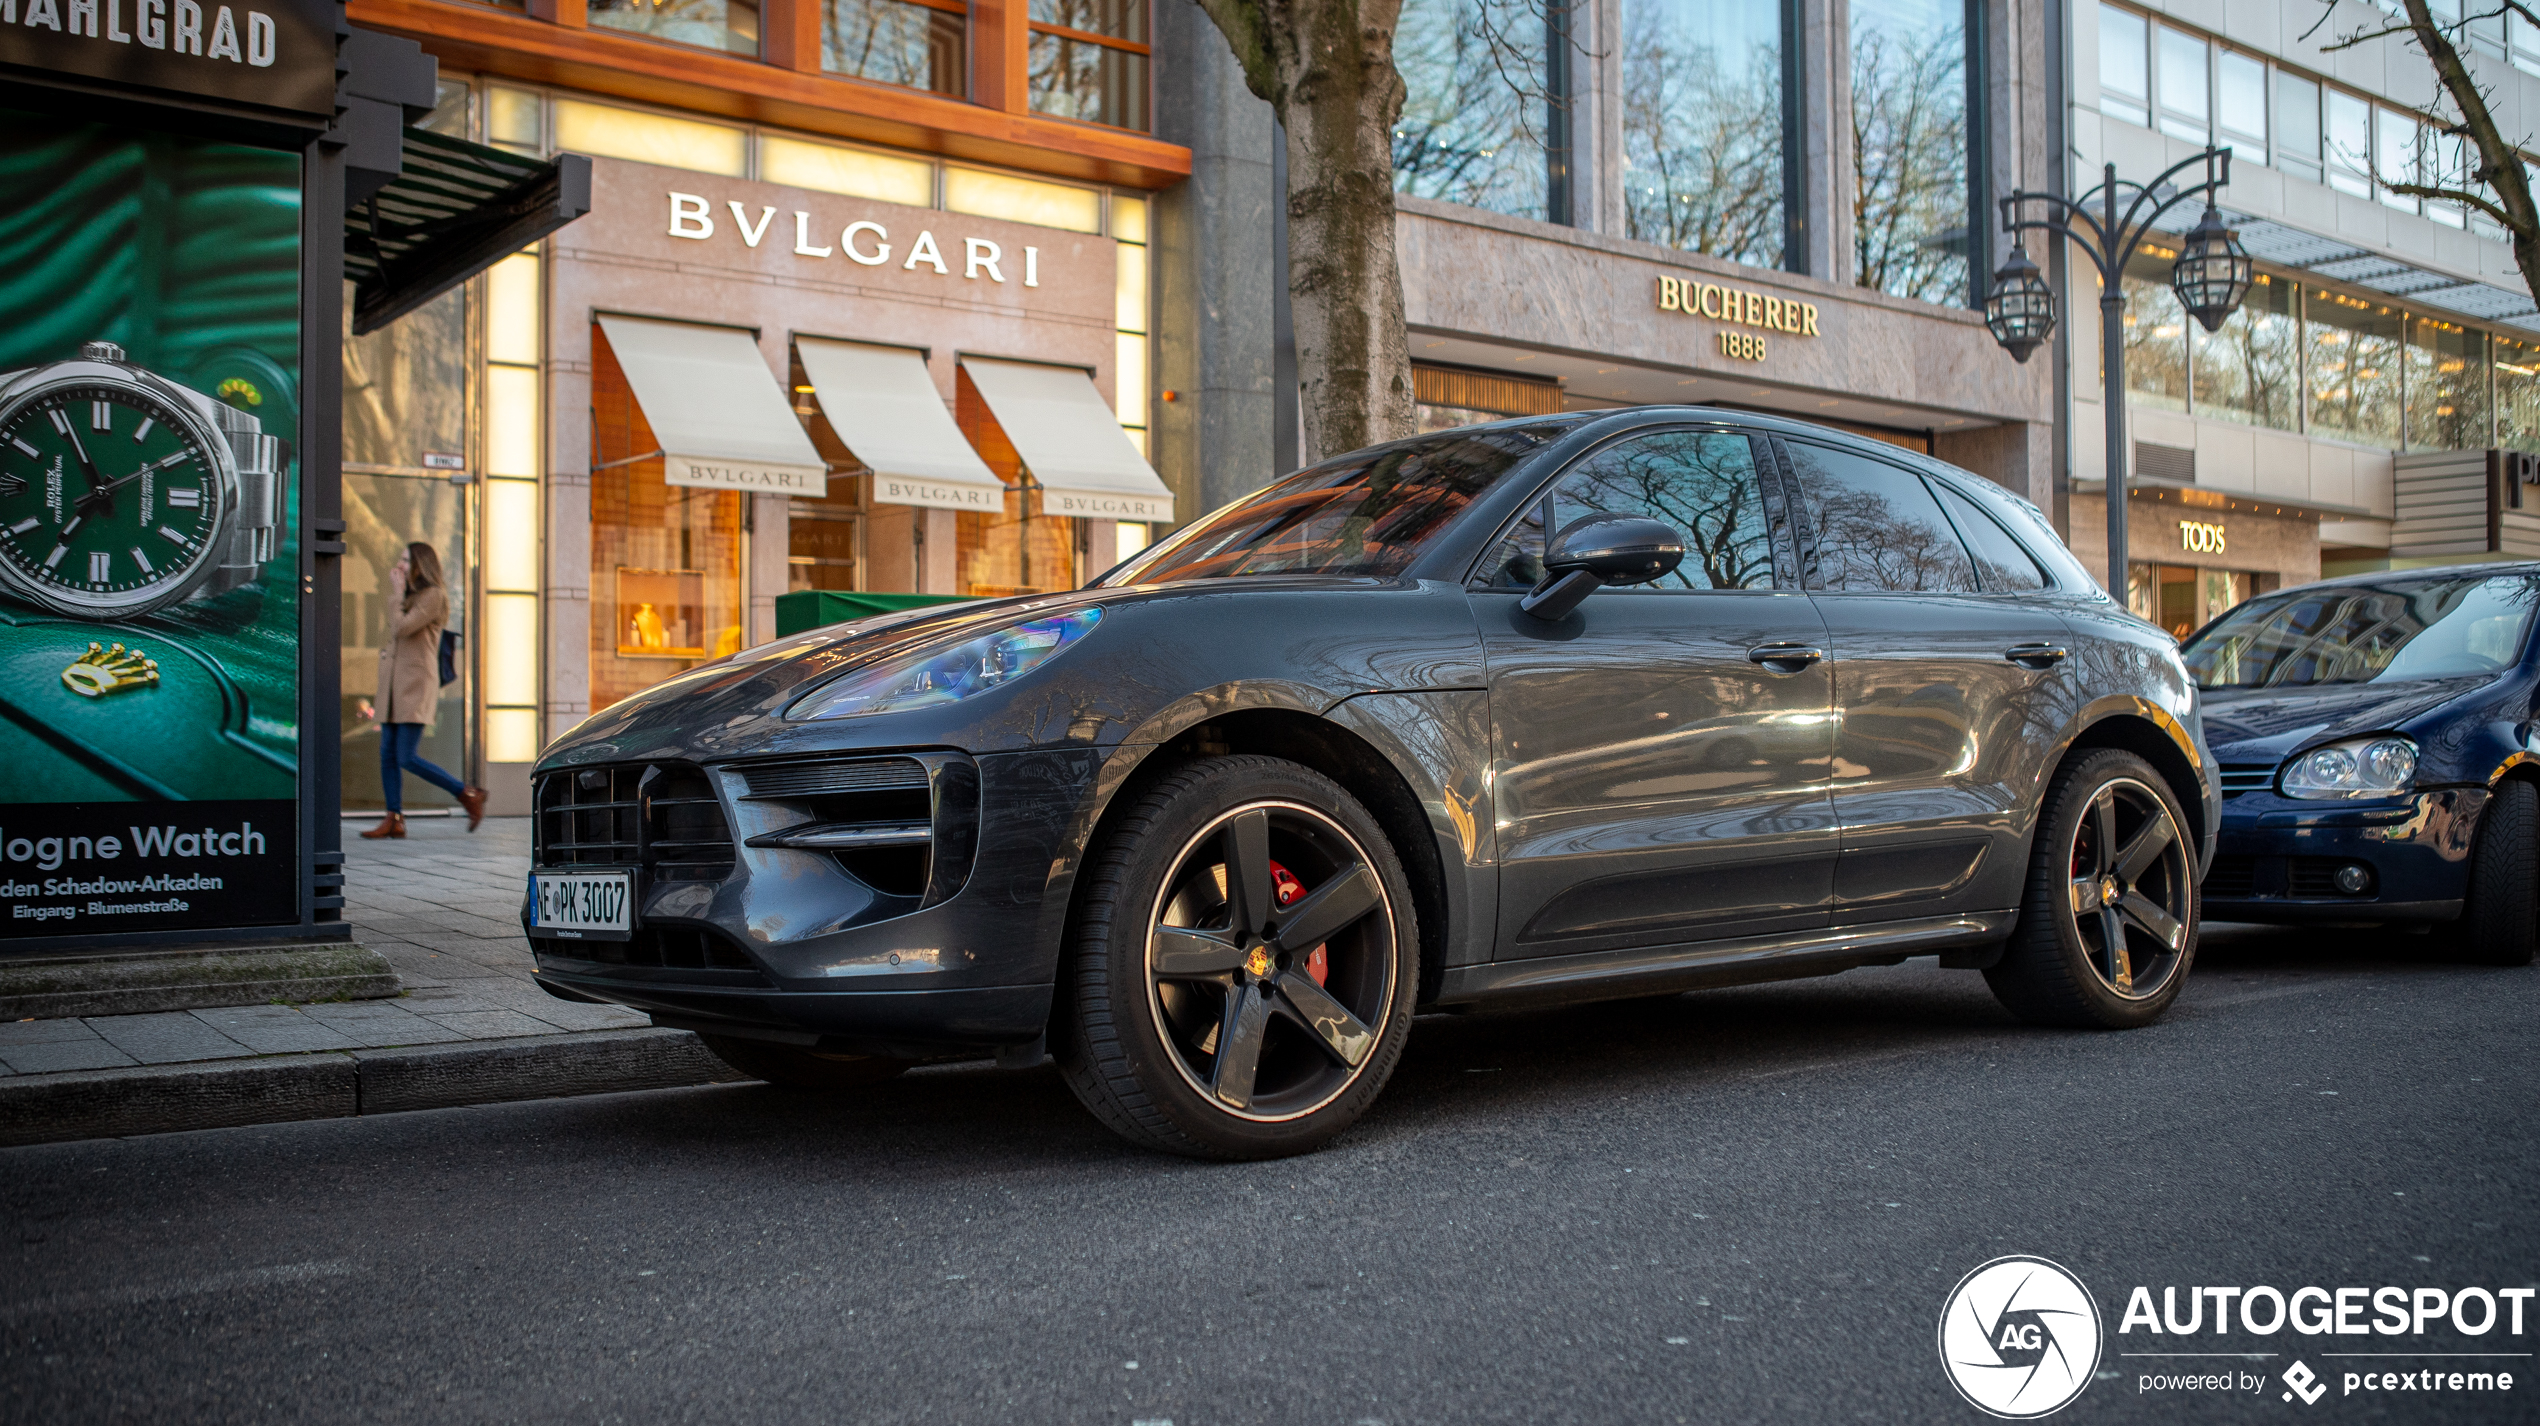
{"x":438,"y":905}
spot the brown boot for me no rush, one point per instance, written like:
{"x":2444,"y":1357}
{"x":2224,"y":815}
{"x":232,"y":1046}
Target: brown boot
{"x":392,"y":825}
{"x":473,"y":799}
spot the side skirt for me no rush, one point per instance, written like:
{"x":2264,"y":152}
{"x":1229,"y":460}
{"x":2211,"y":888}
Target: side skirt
{"x":1666,"y":970}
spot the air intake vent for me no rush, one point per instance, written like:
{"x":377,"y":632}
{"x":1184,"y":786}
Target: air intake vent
{"x":829,"y":778}
{"x":2232,"y":878}
{"x":663,"y":817}
{"x":2238,"y":778}
{"x":2174,"y":464}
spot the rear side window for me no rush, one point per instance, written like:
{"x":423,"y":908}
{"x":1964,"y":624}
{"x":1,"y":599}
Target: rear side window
{"x":1875,"y":528}
{"x":1705,"y":483}
{"x":2003,"y":565}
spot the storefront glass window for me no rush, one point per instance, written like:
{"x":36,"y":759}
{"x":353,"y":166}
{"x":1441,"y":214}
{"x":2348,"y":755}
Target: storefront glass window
{"x":2251,"y":370}
{"x":2517,"y":394}
{"x":730,"y":25}
{"x":665,"y":559}
{"x":1089,"y":61}
{"x":1702,"y":127}
{"x":2155,"y":333}
{"x":2353,"y":368}
{"x":922,"y":45}
{"x":1019,"y":550}
{"x":1476,"y":104}
{"x":1909,"y":121}
{"x":2447,"y":387}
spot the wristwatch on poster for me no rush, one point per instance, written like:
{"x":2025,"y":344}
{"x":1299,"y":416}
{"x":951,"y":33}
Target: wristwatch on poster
{"x":123,"y":493}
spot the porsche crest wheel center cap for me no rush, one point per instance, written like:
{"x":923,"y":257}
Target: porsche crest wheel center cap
{"x":2109,"y":892}
{"x":1258,"y":963}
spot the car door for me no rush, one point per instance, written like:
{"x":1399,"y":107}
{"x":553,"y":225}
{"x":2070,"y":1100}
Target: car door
{"x":1653,"y":781}
{"x":1951,"y":685}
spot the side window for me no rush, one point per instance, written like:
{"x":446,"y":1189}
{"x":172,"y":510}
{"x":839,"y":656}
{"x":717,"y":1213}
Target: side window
{"x":2002,"y":563}
{"x":1704,"y":483}
{"x":1876,"y":528}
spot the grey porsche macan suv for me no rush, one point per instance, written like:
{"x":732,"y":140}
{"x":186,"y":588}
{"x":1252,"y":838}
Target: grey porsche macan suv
{"x":1591,"y":706}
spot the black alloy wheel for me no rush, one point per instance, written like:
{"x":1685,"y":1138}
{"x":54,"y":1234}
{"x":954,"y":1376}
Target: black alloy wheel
{"x":1244,"y":964}
{"x":2107,"y":931}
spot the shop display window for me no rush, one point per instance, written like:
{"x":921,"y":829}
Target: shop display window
{"x":2251,"y":370}
{"x":1703,"y":128}
{"x":2447,"y":387}
{"x":1478,"y":101}
{"x":1909,"y":109}
{"x":2354,"y":362}
{"x":729,"y":25}
{"x":665,"y":559}
{"x":2517,"y":394}
{"x":1448,"y":397}
{"x":2184,"y":599}
{"x":2155,"y":333}
{"x":1088,"y":60}
{"x":923,"y":44}
{"x":1019,"y":550}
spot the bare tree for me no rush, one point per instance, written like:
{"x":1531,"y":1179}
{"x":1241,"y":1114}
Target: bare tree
{"x":1326,"y":69}
{"x":2489,"y":174}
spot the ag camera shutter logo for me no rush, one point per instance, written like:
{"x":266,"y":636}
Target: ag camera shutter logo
{"x":2019,"y":1337}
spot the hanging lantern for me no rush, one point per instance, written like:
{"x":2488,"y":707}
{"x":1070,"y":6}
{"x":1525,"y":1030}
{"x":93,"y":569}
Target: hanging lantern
{"x":2021,"y":308}
{"x":2213,"y":272}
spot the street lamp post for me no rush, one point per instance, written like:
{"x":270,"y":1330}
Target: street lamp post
{"x":2211,"y":277}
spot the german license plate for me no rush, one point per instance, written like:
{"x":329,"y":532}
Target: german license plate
{"x":587,"y":905}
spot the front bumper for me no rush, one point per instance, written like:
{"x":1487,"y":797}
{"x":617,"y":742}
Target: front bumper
{"x":790,"y":946}
{"x":2278,"y":857}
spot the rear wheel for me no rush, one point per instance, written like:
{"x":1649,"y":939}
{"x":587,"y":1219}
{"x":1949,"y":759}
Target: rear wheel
{"x":802,"y":1069}
{"x":2107,"y":929}
{"x":2504,"y":879}
{"x":1243,"y":964}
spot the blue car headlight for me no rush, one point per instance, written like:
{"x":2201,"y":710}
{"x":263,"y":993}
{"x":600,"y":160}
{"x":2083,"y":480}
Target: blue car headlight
{"x":2357,"y":767}
{"x":947,"y":673}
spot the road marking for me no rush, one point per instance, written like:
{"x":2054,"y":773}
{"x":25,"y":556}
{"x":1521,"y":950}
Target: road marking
{"x":162,"y":1292}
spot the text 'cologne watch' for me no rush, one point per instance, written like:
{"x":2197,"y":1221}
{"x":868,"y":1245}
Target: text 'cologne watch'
{"x":122,"y":493}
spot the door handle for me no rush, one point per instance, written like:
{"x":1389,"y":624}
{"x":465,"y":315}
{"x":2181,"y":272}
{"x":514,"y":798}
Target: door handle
{"x":2039,"y":656}
{"x":1784,"y":658}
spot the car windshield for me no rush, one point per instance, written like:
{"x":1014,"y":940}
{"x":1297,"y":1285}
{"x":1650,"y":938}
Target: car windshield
{"x":1368,"y":513}
{"x":2393,"y":631}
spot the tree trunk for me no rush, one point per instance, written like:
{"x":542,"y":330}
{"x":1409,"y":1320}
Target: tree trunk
{"x":1326,"y":68}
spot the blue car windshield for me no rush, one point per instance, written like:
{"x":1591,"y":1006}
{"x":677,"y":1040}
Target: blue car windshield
{"x":2389,"y":631}
{"x":1368,"y":513}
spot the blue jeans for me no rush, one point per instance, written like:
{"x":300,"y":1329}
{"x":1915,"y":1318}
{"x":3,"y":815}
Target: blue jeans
{"x":397,"y":756}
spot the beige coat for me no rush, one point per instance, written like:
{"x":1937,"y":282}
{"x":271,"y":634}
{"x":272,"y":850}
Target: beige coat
{"x":410,"y":667}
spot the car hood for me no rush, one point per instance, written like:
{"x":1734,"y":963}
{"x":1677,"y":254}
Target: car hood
{"x":2267,"y":724}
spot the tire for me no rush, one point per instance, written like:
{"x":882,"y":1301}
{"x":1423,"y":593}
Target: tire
{"x":2100,"y":880}
{"x":803,"y":1069}
{"x":1141,"y":1015}
{"x":2504,"y":879}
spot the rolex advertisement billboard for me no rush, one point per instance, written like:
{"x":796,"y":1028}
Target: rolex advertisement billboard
{"x":149,"y":594}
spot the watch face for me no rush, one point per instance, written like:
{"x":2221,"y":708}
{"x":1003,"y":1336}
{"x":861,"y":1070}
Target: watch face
{"x":109,"y":499}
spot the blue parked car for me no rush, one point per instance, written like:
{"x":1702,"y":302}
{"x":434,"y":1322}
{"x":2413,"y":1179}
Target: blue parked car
{"x":2379,"y":755}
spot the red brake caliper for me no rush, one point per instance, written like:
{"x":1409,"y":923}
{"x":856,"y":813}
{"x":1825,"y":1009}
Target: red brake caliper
{"x":1318,"y":963}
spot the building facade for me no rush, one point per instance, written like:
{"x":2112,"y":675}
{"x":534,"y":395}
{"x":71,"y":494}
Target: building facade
{"x":862,"y":304}
{"x":2386,"y":334}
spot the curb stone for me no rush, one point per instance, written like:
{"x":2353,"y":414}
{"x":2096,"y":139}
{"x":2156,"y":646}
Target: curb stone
{"x":140,"y":983}
{"x":157,"y":1099}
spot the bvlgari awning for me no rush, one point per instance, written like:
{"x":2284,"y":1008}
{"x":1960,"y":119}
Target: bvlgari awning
{"x":453,"y":210}
{"x":1070,"y":441}
{"x":882,"y":403}
{"x":719,"y":414}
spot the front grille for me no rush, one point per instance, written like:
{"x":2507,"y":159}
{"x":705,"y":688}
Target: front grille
{"x":825,"y":779}
{"x":663,"y":948}
{"x":2232,"y":878}
{"x":2238,"y":778}
{"x":663,"y":817}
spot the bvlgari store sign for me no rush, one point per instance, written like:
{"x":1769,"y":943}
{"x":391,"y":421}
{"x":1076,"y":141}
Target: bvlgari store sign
{"x":270,"y":54}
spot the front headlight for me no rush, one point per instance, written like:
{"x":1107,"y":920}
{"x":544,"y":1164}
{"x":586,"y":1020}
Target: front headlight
{"x":947,"y":673}
{"x":2358,"y":767}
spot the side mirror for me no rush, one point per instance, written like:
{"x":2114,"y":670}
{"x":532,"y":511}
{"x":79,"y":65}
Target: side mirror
{"x":1597,"y":550}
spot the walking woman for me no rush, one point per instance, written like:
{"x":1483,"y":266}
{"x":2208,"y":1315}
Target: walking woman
{"x":410,"y":689}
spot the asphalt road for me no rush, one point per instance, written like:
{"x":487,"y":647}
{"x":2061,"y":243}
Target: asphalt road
{"x":1743,"y":1205}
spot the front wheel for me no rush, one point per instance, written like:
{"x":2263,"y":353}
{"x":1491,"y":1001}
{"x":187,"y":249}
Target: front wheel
{"x":2107,"y":929}
{"x":2504,"y":879}
{"x":1243,"y":965}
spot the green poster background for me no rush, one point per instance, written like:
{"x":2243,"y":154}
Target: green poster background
{"x":186,"y":253}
